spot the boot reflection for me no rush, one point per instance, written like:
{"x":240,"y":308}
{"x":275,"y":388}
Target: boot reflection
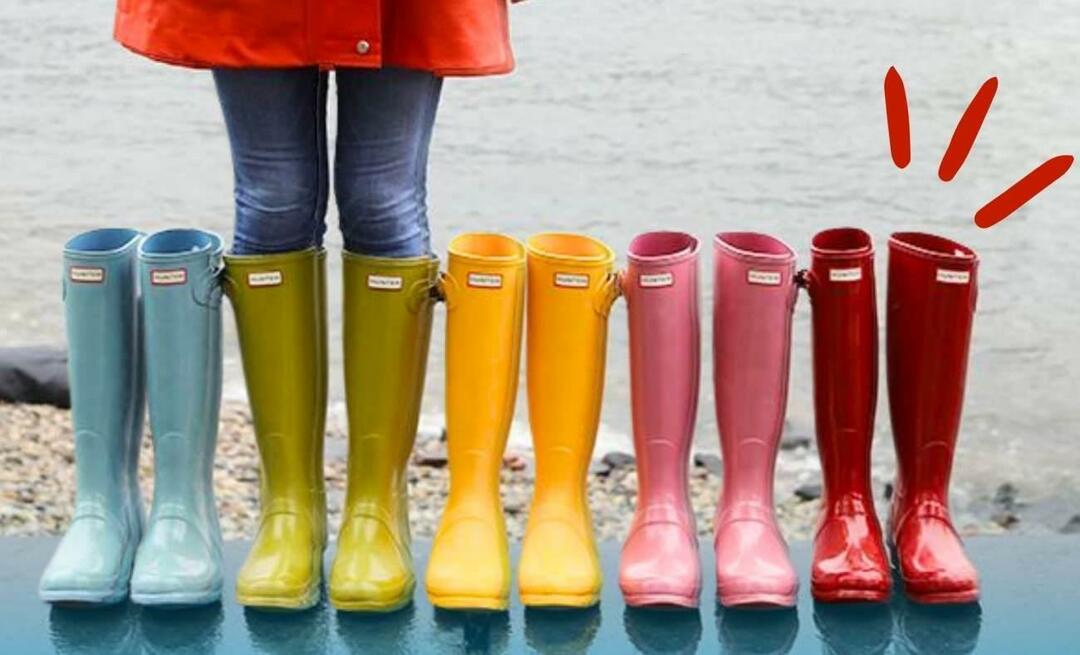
{"x":556,"y":631}
{"x":937,"y":629}
{"x":378,"y":632}
{"x":289,"y":632}
{"x":473,"y":631}
{"x":182,"y":630}
{"x":853,"y":628}
{"x":663,"y":630}
{"x":757,"y":631}
{"x":100,"y":629}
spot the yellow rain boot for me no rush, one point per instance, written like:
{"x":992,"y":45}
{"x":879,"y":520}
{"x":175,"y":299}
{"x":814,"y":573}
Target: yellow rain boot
{"x":280,"y":306}
{"x":485,"y":292}
{"x":571,"y":288}
{"x":387,"y":328}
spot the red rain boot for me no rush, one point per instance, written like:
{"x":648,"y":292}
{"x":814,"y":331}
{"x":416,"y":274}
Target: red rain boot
{"x":931,"y":305}
{"x":849,"y":556}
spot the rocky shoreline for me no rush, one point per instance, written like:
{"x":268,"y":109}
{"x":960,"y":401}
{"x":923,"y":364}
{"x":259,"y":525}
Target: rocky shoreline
{"x":37,"y":482}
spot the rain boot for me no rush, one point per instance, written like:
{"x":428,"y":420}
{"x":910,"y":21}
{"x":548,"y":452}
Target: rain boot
{"x":660,"y":564}
{"x":752,"y":309}
{"x":571,"y":286}
{"x":849,"y":561}
{"x":280,"y":306}
{"x":485,"y":293}
{"x":93,"y":562}
{"x":387,"y":329}
{"x":931,"y":306}
{"x":179,"y":559}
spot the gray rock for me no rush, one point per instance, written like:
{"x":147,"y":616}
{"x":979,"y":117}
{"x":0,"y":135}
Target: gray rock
{"x":1073,"y":526}
{"x":1005,"y":496}
{"x":808,"y":491}
{"x":1005,"y":519}
{"x":616,"y":460}
{"x":711,"y":463}
{"x":794,"y":441}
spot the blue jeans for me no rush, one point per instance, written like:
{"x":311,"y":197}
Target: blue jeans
{"x":276,"y":120}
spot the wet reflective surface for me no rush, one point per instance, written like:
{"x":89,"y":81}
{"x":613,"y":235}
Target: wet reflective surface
{"x":1030,"y":605}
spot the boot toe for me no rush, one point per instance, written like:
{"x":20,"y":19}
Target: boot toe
{"x":469,"y":566}
{"x":660,"y":566}
{"x":283,"y":567}
{"x":559,"y":566}
{"x":371,"y":571}
{"x":92,"y":563}
{"x":753,"y":567}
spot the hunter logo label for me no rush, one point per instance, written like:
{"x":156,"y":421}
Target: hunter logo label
{"x":86,"y":274}
{"x":385,"y":282}
{"x":953,"y":277}
{"x":163,"y":277}
{"x":485,"y":280}
{"x":845,"y":274}
{"x":656,"y":280}
{"x":265,"y":279}
{"x":572,"y":280}
{"x":765,"y":278}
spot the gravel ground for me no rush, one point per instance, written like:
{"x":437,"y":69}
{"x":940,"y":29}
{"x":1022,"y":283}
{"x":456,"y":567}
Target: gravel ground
{"x":37,"y":481}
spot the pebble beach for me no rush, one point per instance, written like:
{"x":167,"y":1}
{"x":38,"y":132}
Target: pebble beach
{"x":37,"y":482}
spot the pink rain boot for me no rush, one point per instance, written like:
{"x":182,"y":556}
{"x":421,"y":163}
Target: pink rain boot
{"x":754,"y":297}
{"x":660,"y":558}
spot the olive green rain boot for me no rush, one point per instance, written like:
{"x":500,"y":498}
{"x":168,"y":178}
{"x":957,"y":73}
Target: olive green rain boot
{"x":387,"y":329}
{"x":280,"y":306}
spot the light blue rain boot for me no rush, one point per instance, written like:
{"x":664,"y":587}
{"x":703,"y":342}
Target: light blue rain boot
{"x":179,"y":561}
{"x":93,"y":562}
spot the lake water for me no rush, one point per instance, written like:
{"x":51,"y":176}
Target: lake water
{"x":625,"y":116}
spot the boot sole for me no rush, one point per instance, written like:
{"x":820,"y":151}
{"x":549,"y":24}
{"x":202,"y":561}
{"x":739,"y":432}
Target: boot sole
{"x":944,"y":597}
{"x":373,"y":606}
{"x":79,"y":598}
{"x":492,"y":603}
{"x":661,"y":599}
{"x":177,"y":598}
{"x":295,"y":603}
{"x":850,"y":595}
{"x":560,"y":600}
{"x":757,"y":600}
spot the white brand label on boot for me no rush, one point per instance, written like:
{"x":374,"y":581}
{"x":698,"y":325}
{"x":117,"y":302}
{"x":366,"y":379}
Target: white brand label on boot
{"x":168,"y":277}
{"x":485,"y":280}
{"x":767,"y":278}
{"x":265,"y":279}
{"x":845,"y":274}
{"x":86,"y":274}
{"x":656,"y":280}
{"x":572,"y":280}
{"x":385,"y":282}
{"x":953,"y":277}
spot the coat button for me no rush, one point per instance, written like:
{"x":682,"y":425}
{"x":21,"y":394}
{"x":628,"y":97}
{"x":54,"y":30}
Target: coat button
{"x":362,"y":47}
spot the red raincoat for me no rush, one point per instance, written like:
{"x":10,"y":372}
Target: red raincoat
{"x":446,"y":37}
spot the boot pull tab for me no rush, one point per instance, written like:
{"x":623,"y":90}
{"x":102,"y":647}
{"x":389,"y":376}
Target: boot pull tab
{"x":607,"y":293}
{"x":423,"y":293}
{"x":209,"y":291}
{"x":445,"y":289}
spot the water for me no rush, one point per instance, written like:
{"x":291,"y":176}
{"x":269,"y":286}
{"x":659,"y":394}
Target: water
{"x":624,"y":116}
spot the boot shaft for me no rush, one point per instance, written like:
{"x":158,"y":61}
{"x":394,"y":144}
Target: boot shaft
{"x":485,"y":293}
{"x":845,"y":353}
{"x":104,"y":332}
{"x":932,"y":290}
{"x":754,"y":297}
{"x":387,"y":329}
{"x":661,"y":290}
{"x":179,"y":275}
{"x":571,"y":286}
{"x":280,"y":308}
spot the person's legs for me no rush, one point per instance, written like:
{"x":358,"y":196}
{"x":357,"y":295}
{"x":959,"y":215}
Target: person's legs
{"x":276,"y":120}
{"x":385,"y":119}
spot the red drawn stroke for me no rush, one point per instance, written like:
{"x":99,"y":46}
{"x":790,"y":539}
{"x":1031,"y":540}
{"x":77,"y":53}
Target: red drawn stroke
{"x":1027,"y":188}
{"x":967,"y":130}
{"x":896,"y":113}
